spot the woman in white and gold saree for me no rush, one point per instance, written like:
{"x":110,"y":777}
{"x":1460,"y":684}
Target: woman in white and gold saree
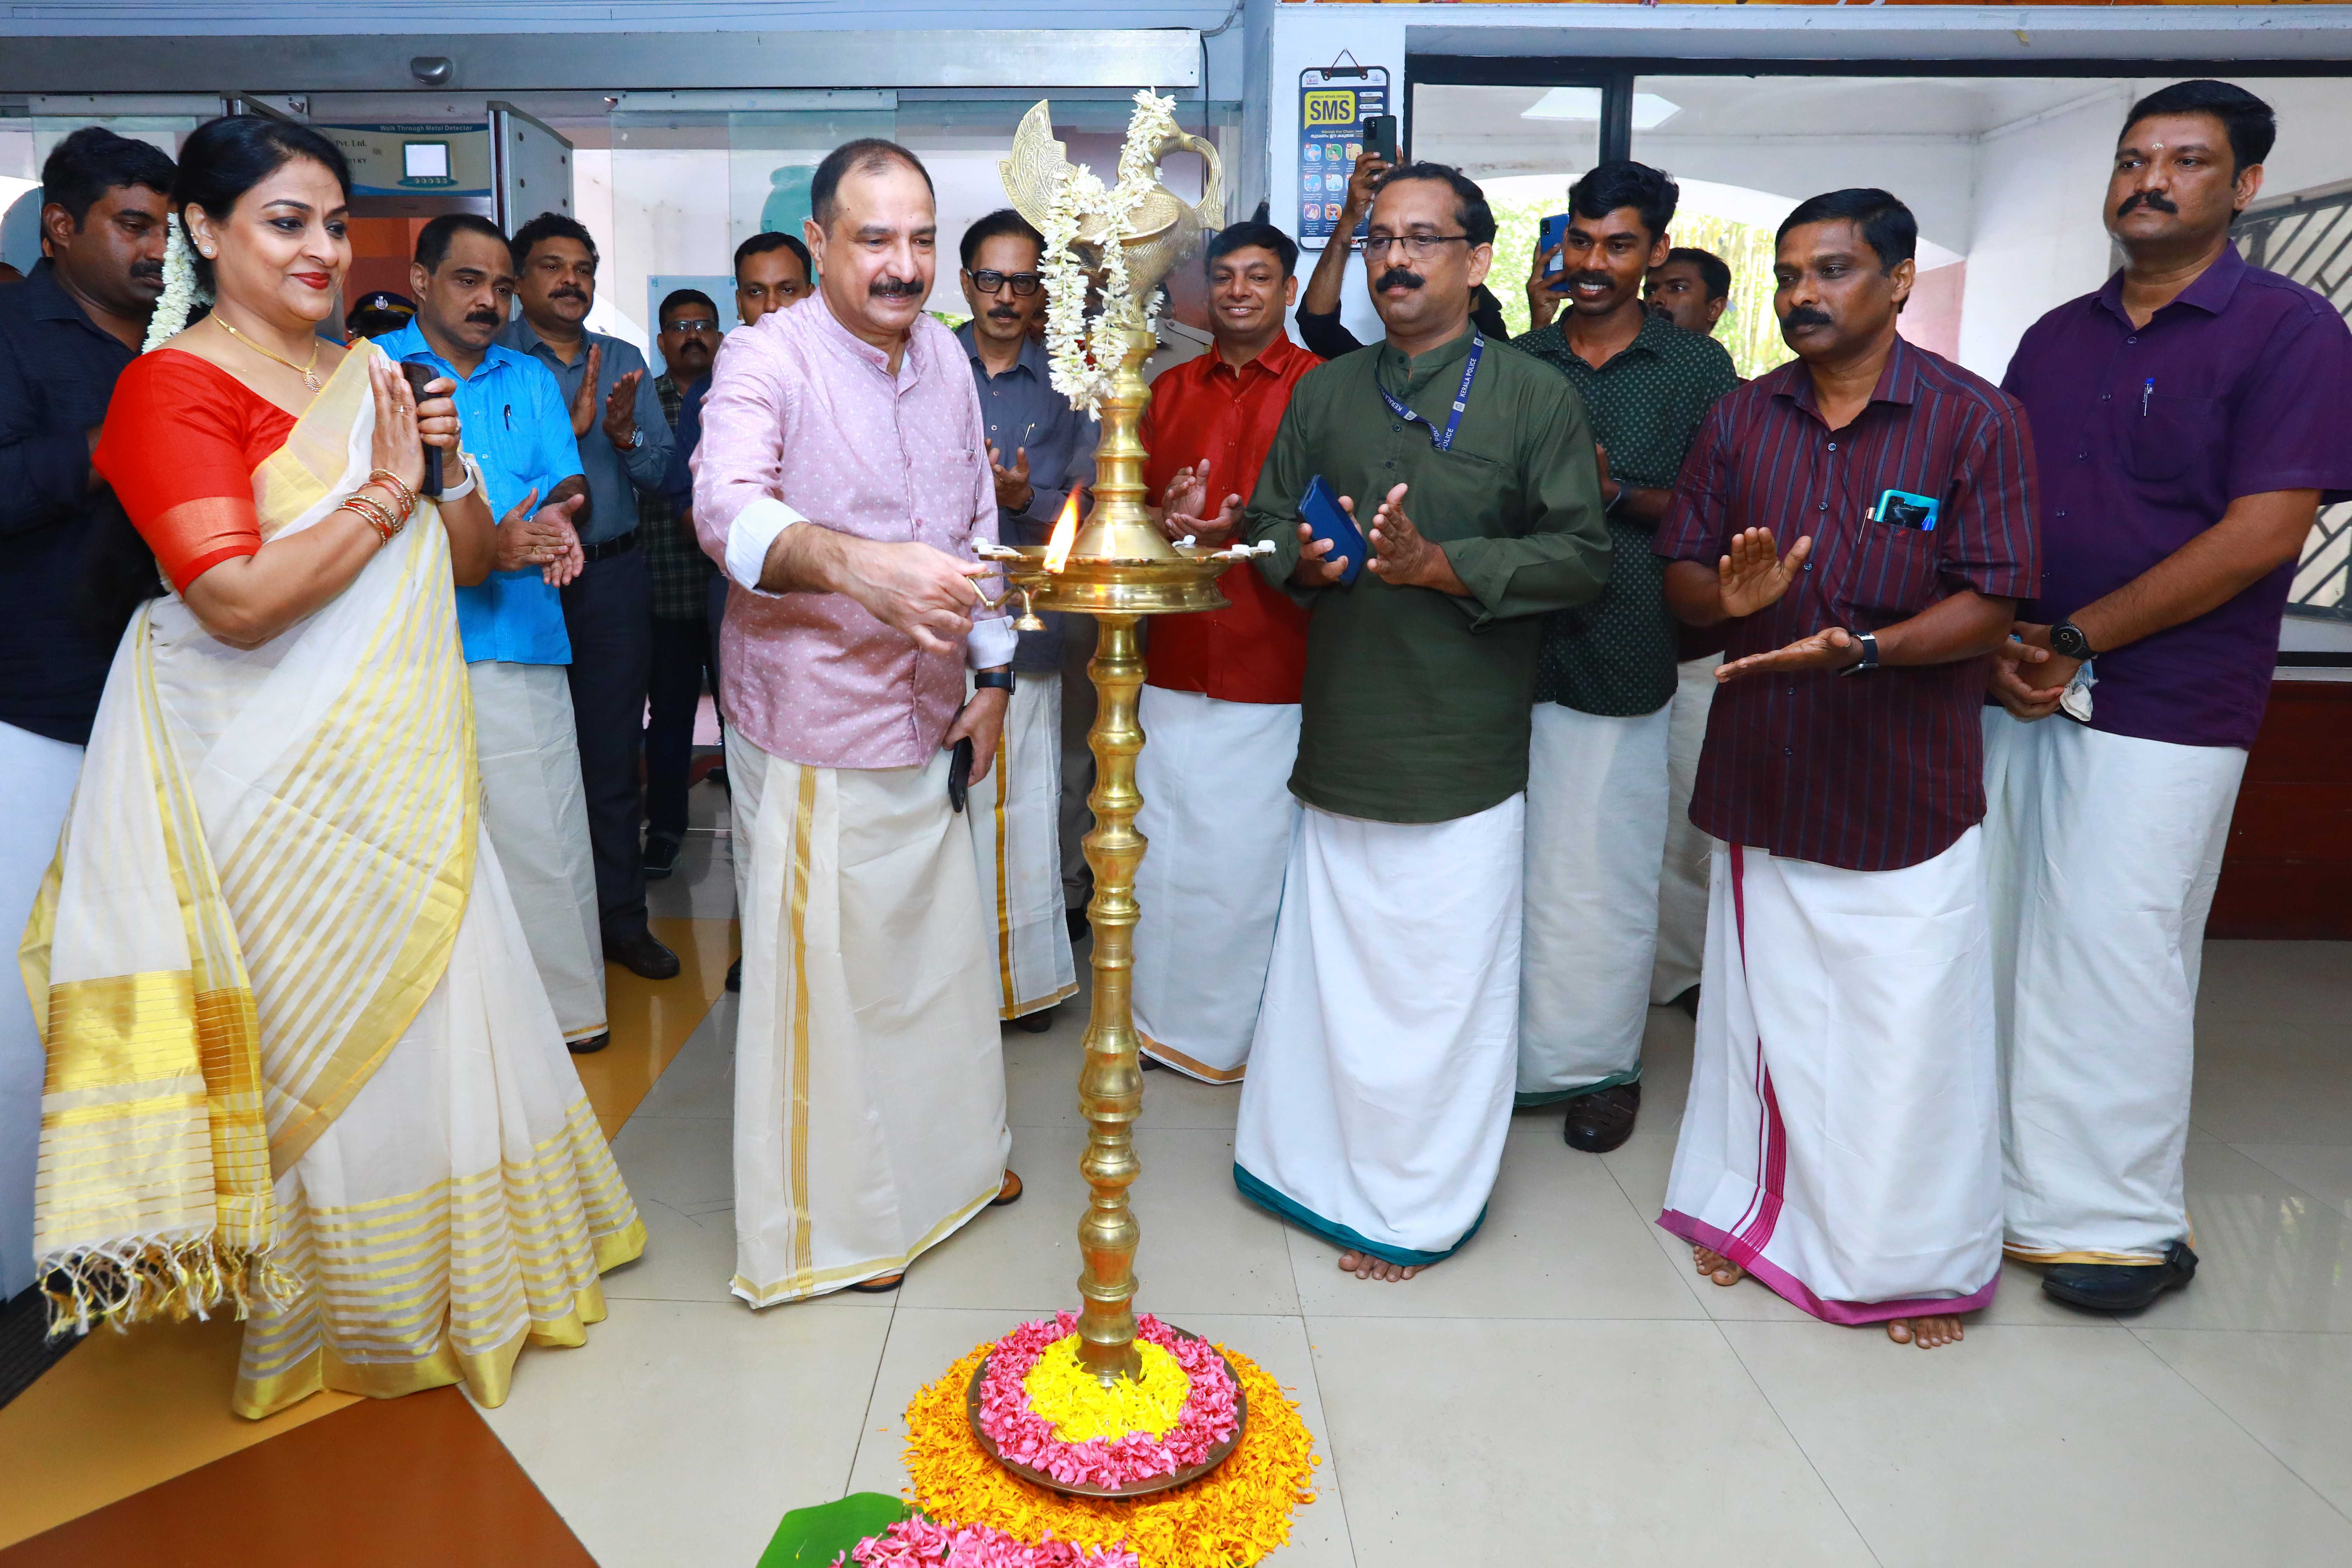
{"x":300,"y":1065}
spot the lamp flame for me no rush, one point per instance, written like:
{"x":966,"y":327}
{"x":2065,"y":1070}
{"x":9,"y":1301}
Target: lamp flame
{"x":1065,"y":533}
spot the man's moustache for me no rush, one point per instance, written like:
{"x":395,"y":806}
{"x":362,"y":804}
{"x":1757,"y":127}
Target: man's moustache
{"x":1003,"y":313}
{"x":895,"y":289}
{"x":148,"y":269}
{"x":483,"y":319}
{"x":567,"y":294}
{"x":2155,"y":201}
{"x":1400,"y":277}
{"x":1805,"y":316}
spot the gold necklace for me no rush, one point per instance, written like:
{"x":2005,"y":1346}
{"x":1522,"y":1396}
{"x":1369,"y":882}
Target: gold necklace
{"x":308,"y":373}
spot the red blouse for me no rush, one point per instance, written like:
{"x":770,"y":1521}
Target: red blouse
{"x":181,"y":441}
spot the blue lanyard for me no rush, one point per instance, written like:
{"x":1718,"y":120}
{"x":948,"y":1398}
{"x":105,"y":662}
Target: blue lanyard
{"x":1441,"y":440}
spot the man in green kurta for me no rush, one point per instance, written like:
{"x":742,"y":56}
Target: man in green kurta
{"x":1380,"y":1076}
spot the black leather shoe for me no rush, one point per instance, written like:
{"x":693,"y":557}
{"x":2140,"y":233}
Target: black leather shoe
{"x":1600,"y":1122}
{"x":590,"y":1046}
{"x":1035,"y":1023}
{"x":1687,"y":1002}
{"x":641,"y":953}
{"x":661,"y":856}
{"x":735,"y":976}
{"x":1079,"y":926}
{"x":2120,"y":1287}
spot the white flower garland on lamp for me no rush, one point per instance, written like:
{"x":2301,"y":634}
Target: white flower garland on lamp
{"x":181,"y":294}
{"x":1083,"y":363}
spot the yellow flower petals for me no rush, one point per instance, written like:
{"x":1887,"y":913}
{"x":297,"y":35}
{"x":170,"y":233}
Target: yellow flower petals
{"x":1064,"y":1392}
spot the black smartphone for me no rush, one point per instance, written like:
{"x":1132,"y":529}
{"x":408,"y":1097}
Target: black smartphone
{"x":959,"y":773}
{"x":419,"y":377}
{"x":1381,"y":137}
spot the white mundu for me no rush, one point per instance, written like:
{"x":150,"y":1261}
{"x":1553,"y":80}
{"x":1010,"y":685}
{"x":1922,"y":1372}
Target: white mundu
{"x":869,"y":1072}
{"x":40,"y":773}
{"x":1596,"y":838}
{"x":1682,"y":881}
{"x":1219,"y":816}
{"x":1842,"y":1142}
{"x":538,"y":817}
{"x":1380,"y":1083}
{"x":2103,"y":853}
{"x":1017,"y":836}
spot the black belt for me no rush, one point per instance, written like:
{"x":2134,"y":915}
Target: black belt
{"x":620,"y":544}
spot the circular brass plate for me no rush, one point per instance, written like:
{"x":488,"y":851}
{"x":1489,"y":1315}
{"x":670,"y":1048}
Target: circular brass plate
{"x":1217,"y":1456}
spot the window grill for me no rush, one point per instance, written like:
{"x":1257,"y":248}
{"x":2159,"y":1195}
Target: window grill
{"x":2309,"y":240}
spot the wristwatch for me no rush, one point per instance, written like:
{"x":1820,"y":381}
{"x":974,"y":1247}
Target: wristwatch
{"x":636,"y":437}
{"x":2067,"y":638}
{"x":1868,"y":643}
{"x":1001,"y":680}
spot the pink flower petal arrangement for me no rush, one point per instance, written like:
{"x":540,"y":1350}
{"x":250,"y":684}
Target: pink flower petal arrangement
{"x":1027,"y":1439}
{"x":918,"y":1543}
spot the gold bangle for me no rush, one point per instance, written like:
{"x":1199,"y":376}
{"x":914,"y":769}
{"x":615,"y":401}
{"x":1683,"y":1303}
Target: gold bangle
{"x":374,"y":514}
{"x":400,"y":491}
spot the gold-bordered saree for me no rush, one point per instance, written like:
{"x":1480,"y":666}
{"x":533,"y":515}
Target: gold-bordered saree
{"x":300,"y":1065}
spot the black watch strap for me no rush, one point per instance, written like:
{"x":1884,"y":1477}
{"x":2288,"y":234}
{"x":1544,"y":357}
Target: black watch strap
{"x":1000,"y":679}
{"x":1868,"y":643}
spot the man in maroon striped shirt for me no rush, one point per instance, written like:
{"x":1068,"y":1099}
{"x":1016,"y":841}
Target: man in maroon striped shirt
{"x":1863,"y":520}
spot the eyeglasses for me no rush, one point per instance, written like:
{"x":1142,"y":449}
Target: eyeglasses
{"x":1023,"y":283}
{"x":696,"y":328}
{"x":1419,"y":247}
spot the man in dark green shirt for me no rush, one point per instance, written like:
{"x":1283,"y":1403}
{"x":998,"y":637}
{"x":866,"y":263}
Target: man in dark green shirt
{"x":1596,"y":768}
{"x":1379,"y":1080}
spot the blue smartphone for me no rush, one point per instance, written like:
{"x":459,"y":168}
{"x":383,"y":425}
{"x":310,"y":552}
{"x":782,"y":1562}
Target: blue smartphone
{"x":1320,"y":510}
{"x":1552,"y":232}
{"x":1901,"y":508}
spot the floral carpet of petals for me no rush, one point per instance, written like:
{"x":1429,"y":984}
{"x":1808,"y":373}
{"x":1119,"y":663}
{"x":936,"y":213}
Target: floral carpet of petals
{"x":1029,"y":1436}
{"x":1235,"y":1515}
{"x":919,"y":1543}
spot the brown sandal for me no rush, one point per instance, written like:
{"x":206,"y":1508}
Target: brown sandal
{"x":1008,"y":1193}
{"x":881,"y":1284}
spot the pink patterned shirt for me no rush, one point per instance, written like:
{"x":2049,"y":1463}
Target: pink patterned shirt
{"x":804,"y":421}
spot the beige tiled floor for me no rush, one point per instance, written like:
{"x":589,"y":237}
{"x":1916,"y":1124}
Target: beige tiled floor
{"x":1567,"y":1389}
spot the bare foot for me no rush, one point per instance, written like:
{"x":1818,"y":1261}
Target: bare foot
{"x":1364,"y":1266}
{"x":1928,"y":1334}
{"x":1717,"y":1267}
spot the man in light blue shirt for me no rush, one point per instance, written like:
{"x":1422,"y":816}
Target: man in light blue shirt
{"x":608,"y":608}
{"x":518,"y":432}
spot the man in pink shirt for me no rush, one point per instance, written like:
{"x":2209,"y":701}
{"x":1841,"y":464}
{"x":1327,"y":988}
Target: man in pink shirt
{"x":843,"y":482}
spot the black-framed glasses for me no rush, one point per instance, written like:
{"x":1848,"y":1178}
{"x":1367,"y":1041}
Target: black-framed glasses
{"x":1419,"y":247}
{"x":695,"y":328}
{"x":989,"y":281}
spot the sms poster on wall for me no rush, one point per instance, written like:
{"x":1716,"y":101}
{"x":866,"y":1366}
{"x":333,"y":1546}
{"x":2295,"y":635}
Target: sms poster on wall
{"x":1333,"y":105}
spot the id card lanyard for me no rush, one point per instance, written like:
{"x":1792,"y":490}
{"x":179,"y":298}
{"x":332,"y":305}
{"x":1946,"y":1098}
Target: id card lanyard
{"x":1441,"y":440}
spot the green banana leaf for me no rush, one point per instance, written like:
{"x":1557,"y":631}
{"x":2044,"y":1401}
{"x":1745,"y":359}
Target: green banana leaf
{"x":814,"y":1537}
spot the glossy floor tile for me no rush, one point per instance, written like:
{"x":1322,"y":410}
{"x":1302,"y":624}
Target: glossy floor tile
{"x":2287,"y":1391}
{"x":1464,"y":1441}
{"x":2033,"y":1445}
{"x":684,"y":1430}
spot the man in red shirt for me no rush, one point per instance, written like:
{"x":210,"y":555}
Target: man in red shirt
{"x":1221,"y":703}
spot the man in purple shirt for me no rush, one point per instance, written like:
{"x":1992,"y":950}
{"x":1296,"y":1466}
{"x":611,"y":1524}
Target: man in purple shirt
{"x":1863,"y":521}
{"x":2191,"y":416}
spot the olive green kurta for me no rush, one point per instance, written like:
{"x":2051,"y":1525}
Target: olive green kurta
{"x":1415,"y":707}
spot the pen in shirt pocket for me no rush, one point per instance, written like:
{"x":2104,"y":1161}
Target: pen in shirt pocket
{"x":2147,"y":391}
{"x":509,"y":414}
